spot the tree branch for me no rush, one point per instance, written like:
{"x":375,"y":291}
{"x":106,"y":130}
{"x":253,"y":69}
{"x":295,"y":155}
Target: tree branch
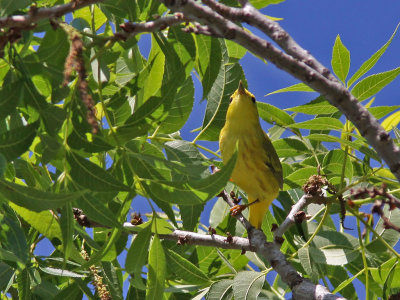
{"x":35,"y":14}
{"x":130,"y":29}
{"x":293,"y":217}
{"x":331,"y":89}
{"x":213,"y":240}
{"x":301,"y":287}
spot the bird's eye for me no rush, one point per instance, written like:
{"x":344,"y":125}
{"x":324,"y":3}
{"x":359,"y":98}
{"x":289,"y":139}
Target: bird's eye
{"x":253,"y":99}
{"x":230,"y":99}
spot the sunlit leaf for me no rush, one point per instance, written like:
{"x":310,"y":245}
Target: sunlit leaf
{"x":368,"y":64}
{"x":371,"y":85}
{"x":340,"y":59}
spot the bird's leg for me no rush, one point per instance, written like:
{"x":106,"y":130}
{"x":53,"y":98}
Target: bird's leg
{"x":237,"y":209}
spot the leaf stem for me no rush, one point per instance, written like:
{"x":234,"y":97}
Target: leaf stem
{"x":364,"y":259}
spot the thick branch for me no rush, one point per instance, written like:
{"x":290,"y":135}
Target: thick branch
{"x":35,"y":15}
{"x":332,"y":90}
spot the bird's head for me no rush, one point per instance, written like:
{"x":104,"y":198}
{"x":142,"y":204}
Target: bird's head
{"x":242,"y":107}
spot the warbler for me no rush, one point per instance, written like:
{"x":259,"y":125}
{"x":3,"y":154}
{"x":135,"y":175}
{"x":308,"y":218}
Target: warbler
{"x":258,"y":170}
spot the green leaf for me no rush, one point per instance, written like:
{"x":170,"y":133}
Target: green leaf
{"x":274,"y":115}
{"x":258,"y":4}
{"x":208,"y":61}
{"x":46,"y":224}
{"x":61,"y":272}
{"x":321,"y":123}
{"x":187,"y":155}
{"x":360,"y":146}
{"x":8,"y":7}
{"x":24,"y":284}
{"x":190,"y":215}
{"x":46,"y":290}
{"x":34,"y":199}
{"x":367,"y":65}
{"x":88,"y":142}
{"x":221,"y":290}
{"x":299,"y":177}
{"x":67,"y":223}
{"x":248,"y":285}
{"x":218,"y":213}
{"x":218,"y":100}
{"x":389,"y":235}
{"x":91,"y":176}
{"x":289,"y":147}
{"x":381,"y":273}
{"x":307,"y":263}
{"x":190,"y":192}
{"x":317,"y":106}
{"x":184,"y":46}
{"x":156,"y":271}
{"x":391,"y":121}
{"x":235,"y":50}
{"x":371,"y":85}
{"x":180,"y":109}
{"x":113,"y":278}
{"x":54,"y":48}
{"x":184,"y":269}
{"x":334,"y":248}
{"x":153,"y":81}
{"x":138,"y":251}
{"x":3,"y":165}
{"x":381,"y":111}
{"x":333,"y":163}
{"x":7,"y":272}
{"x":298,"y":87}
{"x":337,"y":275}
{"x":10,"y":95}
{"x":340,"y":59}
{"x":13,"y":238}
{"x":15,"y":142}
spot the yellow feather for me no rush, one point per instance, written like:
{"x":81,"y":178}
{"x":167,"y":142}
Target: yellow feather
{"x":258,"y":170}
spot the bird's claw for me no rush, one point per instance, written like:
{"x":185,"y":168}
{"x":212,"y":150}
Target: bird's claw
{"x":237,"y":209}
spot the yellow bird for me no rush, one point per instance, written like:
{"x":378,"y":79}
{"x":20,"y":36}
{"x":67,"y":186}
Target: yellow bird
{"x":258,"y":170}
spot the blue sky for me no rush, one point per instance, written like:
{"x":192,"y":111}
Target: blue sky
{"x":364,"y":26}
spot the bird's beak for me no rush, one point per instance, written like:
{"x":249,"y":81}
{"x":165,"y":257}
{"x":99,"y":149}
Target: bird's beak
{"x":241,"y":88}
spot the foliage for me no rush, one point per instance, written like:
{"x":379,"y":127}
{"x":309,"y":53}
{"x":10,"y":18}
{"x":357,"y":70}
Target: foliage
{"x":52,"y":161}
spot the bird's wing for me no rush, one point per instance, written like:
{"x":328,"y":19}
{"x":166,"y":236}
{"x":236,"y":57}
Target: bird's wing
{"x":272,"y":160}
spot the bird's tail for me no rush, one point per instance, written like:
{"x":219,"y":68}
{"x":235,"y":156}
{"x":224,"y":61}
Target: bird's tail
{"x":257,"y":211}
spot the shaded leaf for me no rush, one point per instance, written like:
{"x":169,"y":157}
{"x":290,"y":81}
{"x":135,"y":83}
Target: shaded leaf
{"x":184,"y":269}
{"x":289,"y":147}
{"x":156,"y":271}
{"x":90,"y":175}
{"x":247,"y":285}
{"x":15,"y":142}
{"x":34,"y":199}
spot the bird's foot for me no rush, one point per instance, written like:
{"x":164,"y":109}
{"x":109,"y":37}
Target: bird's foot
{"x":237,"y":209}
